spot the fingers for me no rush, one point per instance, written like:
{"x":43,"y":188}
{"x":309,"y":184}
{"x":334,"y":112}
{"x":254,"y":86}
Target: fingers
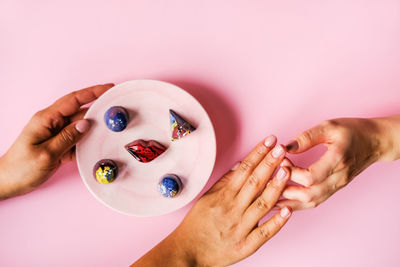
{"x":299,"y":197}
{"x":78,"y":116}
{"x":307,"y":139}
{"x":294,"y":204}
{"x":67,"y":138}
{"x":49,"y":121}
{"x":71,"y":103}
{"x":264,"y":232}
{"x":247,"y":166}
{"x":257,"y":180}
{"x":325,"y":166}
{"x":266,"y":201}
{"x":312,"y":196}
{"x":319,"y":171}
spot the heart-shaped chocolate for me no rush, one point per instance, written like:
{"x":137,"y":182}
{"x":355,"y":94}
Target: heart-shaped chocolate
{"x":145,"y":151}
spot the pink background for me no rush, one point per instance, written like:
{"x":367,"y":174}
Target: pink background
{"x":258,"y":67}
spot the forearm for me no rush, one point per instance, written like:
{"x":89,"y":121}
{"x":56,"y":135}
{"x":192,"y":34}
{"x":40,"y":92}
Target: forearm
{"x":6,"y":185}
{"x":14,"y":179}
{"x":167,"y":253}
{"x":390,"y":137}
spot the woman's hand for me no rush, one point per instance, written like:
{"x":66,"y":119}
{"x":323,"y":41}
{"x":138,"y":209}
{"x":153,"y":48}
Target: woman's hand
{"x":222,"y":227}
{"x":353,"y":144}
{"x":46,"y":142}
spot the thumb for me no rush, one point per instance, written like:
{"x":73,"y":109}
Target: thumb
{"x":68,"y":137}
{"x":307,"y":140}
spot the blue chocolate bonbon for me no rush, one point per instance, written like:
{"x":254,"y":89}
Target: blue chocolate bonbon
{"x":116,"y":118}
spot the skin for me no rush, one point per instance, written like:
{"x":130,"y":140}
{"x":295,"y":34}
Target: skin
{"x":353,"y":145}
{"x":222,"y":227}
{"x":46,"y":142}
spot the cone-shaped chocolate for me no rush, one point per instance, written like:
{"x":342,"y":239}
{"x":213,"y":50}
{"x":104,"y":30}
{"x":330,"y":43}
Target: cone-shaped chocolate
{"x":179,"y":126}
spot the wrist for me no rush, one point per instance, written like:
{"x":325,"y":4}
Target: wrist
{"x":169,"y":252}
{"x":389,"y":137}
{"x":6,"y":184}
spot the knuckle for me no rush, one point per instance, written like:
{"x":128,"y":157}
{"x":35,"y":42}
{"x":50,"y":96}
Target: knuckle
{"x":224,"y":179}
{"x":262,"y":204}
{"x":264,"y":233}
{"x":268,"y":163}
{"x":307,"y":197}
{"x":305,"y":137}
{"x":312,"y":204}
{"x":261,"y":150}
{"x":276,"y":188}
{"x":44,"y":157}
{"x":308,"y":180}
{"x":329,"y":123}
{"x":342,"y":131}
{"x":67,"y":136}
{"x":74,"y":93}
{"x":277,"y":223}
{"x":245,"y":166}
{"x":254,"y":180}
{"x":39,"y":115}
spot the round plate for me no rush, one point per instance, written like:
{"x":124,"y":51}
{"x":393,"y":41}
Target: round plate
{"x":192,"y":158}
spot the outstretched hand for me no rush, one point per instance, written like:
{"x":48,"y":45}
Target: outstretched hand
{"x":223,"y":226}
{"x":46,"y":142}
{"x":353,"y":145}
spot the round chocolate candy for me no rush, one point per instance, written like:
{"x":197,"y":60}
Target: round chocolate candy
{"x":170,"y":185}
{"x":105,"y":171}
{"x":116,"y":118}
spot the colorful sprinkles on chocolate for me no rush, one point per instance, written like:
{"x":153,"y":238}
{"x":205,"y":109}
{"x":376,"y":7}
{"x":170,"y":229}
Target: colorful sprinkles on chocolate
{"x":179,"y":126}
{"x":105,"y":171}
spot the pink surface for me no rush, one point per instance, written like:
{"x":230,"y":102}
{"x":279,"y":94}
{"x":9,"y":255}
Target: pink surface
{"x":258,"y":67}
{"x":192,"y":158}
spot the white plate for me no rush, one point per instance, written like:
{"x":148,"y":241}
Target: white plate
{"x":192,"y":158}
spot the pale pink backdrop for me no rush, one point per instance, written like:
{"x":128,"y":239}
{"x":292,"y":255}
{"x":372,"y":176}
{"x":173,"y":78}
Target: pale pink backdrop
{"x":258,"y":67}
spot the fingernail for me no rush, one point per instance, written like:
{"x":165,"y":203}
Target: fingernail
{"x":285,"y":163}
{"x":292,"y":146}
{"x":82,"y":126}
{"x":281,"y":175}
{"x":285,"y":212}
{"x":278,"y":151}
{"x":235,"y":166}
{"x":269,"y":141}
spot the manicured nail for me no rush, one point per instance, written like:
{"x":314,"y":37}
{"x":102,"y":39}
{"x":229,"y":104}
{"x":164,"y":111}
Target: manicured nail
{"x":281,"y":175}
{"x":82,"y":126}
{"x":285,"y":163}
{"x":270,"y":140}
{"x":285,"y":212}
{"x":278,"y":151}
{"x":235,"y":166}
{"x":292,"y":146}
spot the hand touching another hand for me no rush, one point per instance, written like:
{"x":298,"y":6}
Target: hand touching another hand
{"x":353,"y":145}
{"x":46,"y":141}
{"x":222,"y":227}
